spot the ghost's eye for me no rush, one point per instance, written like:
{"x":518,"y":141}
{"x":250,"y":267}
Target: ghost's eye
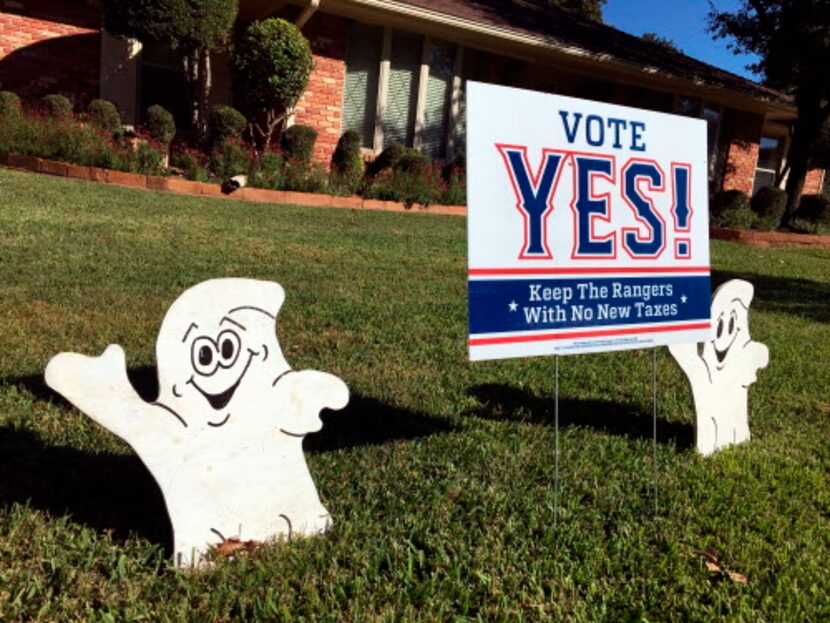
{"x":732,"y":323}
{"x":203,"y":356}
{"x":720,"y":327}
{"x":229,"y":347}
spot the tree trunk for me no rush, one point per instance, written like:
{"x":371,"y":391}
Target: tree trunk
{"x":199,"y":82}
{"x":811,"y":118}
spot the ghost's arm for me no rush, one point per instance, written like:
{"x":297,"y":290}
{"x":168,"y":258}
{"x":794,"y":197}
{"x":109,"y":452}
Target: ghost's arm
{"x":99,"y":387}
{"x":754,"y":357}
{"x":301,"y":395}
{"x":690,"y":361}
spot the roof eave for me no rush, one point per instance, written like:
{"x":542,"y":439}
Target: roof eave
{"x":523,"y":45}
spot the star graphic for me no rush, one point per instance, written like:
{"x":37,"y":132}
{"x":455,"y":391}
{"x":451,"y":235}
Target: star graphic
{"x":683,"y":299}
{"x":513,"y":305}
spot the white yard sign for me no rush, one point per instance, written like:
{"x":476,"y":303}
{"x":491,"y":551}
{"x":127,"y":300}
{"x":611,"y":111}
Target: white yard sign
{"x":588,"y":226}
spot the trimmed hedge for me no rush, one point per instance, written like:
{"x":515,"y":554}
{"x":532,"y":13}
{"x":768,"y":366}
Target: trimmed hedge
{"x":9,"y":105}
{"x":347,"y":162}
{"x":768,"y":204}
{"x":225,"y":122}
{"x":814,"y":209}
{"x":56,"y":106}
{"x":160,"y":124}
{"x":297,"y":143}
{"x":730,"y":208}
{"x":104,"y":116}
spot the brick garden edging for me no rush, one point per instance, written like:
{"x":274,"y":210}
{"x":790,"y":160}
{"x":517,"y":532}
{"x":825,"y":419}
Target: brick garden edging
{"x":188,"y":187}
{"x":261,"y":195}
{"x":770,"y":238}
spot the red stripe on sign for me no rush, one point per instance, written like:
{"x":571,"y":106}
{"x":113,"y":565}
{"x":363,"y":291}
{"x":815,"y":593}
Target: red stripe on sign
{"x":480,"y":272}
{"x":546,"y":337}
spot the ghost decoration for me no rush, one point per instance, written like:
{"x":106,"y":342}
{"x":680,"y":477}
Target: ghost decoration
{"x":721,"y":372}
{"x":224,"y":439}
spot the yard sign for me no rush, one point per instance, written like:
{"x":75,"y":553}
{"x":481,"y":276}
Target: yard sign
{"x":588,"y":226}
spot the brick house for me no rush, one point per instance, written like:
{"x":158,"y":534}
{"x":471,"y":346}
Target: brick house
{"x":395,"y":70}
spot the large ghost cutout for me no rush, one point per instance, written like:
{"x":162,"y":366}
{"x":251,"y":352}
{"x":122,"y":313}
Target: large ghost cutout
{"x":721,"y":374}
{"x":224,"y":439}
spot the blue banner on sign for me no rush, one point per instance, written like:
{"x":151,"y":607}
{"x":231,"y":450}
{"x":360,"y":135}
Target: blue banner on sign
{"x":528,"y":304}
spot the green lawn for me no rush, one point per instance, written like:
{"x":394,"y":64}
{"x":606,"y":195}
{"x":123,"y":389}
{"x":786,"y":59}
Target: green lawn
{"x":439,"y":475}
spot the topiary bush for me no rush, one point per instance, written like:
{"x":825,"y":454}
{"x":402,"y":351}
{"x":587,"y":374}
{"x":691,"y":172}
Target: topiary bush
{"x":768,"y":204}
{"x":269,"y":173}
{"x":347,"y":163}
{"x":225,"y":122}
{"x":730,"y":208}
{"x":297,"y":143}
{"x":814,"y":209}
{"x":9,"y":105}
{"x":387,"y":159}
{"x":160,"y":124}
{"x":104,"y":116}
{"x":272,"y":61}
{"x":56,"y":106}
{"x":229,"y":159}
{"x":305,"y":178}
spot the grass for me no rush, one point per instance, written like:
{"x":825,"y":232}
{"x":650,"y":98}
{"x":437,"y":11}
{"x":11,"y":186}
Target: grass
{"x":439,"y":475}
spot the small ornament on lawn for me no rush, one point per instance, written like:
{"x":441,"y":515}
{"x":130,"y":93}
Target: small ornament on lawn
{"x":224,"y":439}
{"x":721,"y":372}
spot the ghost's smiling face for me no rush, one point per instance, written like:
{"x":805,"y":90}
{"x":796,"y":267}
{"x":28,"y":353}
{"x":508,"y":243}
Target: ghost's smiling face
{"x":215,"y":358}
{"x":220,"y":363}
{"x":730,"y":320}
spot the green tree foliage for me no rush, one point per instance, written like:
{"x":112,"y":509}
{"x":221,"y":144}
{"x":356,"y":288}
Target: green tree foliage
{"x":271,"y":62}
{"x":194,"y":28}
{"x":653,"y":37}
{"x":592,"y":9}
{"x":792,"y":39}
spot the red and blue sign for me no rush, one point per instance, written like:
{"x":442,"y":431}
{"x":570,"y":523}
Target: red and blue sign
{"x":588,"y":226}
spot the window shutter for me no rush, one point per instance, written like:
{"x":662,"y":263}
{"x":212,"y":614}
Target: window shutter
{"x":436,"y":107}
{"x":361,"y":89}
{"x":399,"y":116}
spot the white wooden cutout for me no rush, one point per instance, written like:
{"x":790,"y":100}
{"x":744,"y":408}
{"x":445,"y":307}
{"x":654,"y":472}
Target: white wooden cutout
{"x":721,"y":372}
{"x":224,"y":439}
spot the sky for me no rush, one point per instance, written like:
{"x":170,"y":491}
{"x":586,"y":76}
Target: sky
{"x":682,"y":21}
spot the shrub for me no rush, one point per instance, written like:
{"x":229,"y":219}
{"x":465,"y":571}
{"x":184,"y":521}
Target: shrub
{"x":9,"y":105}
{"x":768,"y":204}
{"x":730,"y":208}
{"x":455,"y":177}
{"x":56,"y":106}
{"x":160,"y":125}
{"x":347,"y":162}
{"x":192,"y":165}
{"x":229,"y":159}
{"x":801,"y":226}
{"x":306,"y":178}
{"x":269,"y":172}
{"x":814,"y":209}
{"x":272,"y":61}
{"x":104,"y":116}
{"x":297,"y":143}
{"x":225,"y":122}
{"x":387,"y":159}
{"x":425,"y":187}
{"x":412,"y":161}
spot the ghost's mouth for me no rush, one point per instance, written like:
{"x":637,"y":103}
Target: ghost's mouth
{"x":721,"y":354}
{"x":221,"y":400}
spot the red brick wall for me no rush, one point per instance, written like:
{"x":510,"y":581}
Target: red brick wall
{"x":812,"y":185}
{"x":743,"y":137}
{"x":50,"y":46}
{"x":321,"y":105}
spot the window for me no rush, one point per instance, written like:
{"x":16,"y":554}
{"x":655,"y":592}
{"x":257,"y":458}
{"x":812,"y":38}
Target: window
{"x":399,"y":89}
{"x":693,"y":107}
{"x":163,"y":82}
{"x":361,"y":91}
{"x":769,"y":159}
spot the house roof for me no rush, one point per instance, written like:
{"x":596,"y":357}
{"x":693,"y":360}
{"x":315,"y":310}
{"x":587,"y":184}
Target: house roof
{"x":565,"y":31}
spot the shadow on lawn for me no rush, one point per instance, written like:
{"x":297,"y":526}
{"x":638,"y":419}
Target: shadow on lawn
{"x":799,"y":297}
{"x":116,"y":492}
{"x":503,"y":402}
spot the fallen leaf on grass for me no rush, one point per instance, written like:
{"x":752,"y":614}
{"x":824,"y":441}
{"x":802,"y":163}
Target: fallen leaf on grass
{"x":232,"y":547}
{"x":713,"y":567}
{"x":736,"y":577}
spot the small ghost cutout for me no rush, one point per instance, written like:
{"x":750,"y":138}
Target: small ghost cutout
{"x":721,"y":372}
{"x":224,"y":438}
